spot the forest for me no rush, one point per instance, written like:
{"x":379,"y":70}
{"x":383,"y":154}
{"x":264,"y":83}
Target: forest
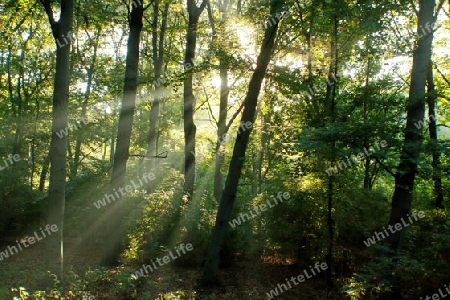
{"x":224,"y":149}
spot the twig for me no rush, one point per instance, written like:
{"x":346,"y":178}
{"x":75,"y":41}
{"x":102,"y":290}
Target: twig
{"x":234,"y":117}
{"x":160,"y":155}
{"x":209,"y":106}
{"x":442,"y":74}
{"x":385,"y":167}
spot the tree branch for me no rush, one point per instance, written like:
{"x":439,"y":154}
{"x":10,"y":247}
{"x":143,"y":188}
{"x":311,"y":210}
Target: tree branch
{"x":442,"y":74}
{"x":446,"y":13}
{"x":209,"y":106}
{"x":441,"y":4}
{"x":385,"y":167}
{"x":441,"y":96}
{"x":202,"y":6}
{"x":160,"y":155}
{"x":234,"y":117}
{"x":148,"y":5}
{"x":210,"y":18}
{"x":49,"y":11}
{"x":414,"y":7}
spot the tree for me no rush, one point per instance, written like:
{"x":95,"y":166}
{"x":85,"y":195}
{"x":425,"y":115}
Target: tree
{"x":223,"y":98}
{"x":237,"y":161}
{"x":434,"y":143}
{"x":412,"y":145}
{"x":158,"y":64}
{"x":194,"y":13}
{"x":58,"y":148}
{"x":79,"y":138}
{"x":113,"y":246}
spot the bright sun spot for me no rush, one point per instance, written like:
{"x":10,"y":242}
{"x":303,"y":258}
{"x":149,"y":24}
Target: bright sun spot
{"x":246,"y":36}
{"x":215,"y":81}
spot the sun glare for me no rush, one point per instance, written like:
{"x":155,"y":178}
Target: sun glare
{"x":245,"y":35}
{"x":215,"y":81}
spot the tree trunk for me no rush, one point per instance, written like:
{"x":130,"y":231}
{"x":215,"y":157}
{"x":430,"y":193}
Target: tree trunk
{"x":330,"y":108}
{"x":223,"y":99}
{"x":189,"y":98}
{"x":367,"y":176}
{"x":436,"y":163}
{"x":158,"y":63}
{"x":79,"y":133}
{"x":58,"y":147}
{"x":112,"y":144}
{"x":33,"y":148}
{"x":17,"y":147}
{"x":44,"y":171}
{"x":240,"y":147}
{"x":407,"y":168}
{"x":113,"y":246}
{"x":264,"y":142}
{"x":221,"y":128}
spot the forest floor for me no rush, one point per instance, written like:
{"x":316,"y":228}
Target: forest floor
{"x":245,"y":279}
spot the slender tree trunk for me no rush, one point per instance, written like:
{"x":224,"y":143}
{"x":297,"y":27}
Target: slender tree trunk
{"x":189,"y":98}
{"x":367,"y":175}
{"x":308,"y":35}
{"x":158,"y":63}
{"x":58,"y":146}
{"x":16,"y":148}
{"x":436,"y":163}
{"x":221,"y":128}
{"x":44,"y":172}
{"x":240,"y":147}
{"x":113,"y":245}
{"x":410,"y":154}
{"x":112,"y":143}
{"x":265,"y":140}
{"x":79,"y":133}
{"x":105,"y":148}
{"x":223,"y":105}
{"x":331,"y":105}
{"x":33,"y":147}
